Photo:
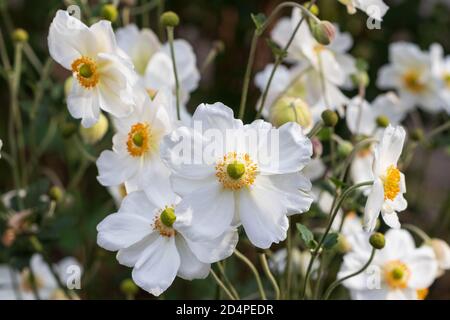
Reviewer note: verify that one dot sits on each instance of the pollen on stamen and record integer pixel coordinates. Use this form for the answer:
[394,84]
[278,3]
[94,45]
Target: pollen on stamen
[236,180]
[397,274]
[86,72]
[391,183]
[139,139]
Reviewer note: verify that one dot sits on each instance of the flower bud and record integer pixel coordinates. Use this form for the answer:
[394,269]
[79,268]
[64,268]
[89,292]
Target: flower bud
[345,148]
[360,79]
[382,121]
[323,31]
[330,118]
[109,12]
[95,133]
[170,19]
[377,240]
[417,135]
[56,193]
[20,35]
[343,245]
[314,9]
[129,288]
[290,109]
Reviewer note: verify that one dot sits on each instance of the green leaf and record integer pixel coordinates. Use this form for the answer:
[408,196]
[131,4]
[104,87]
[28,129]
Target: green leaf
[276,50]
[330,240]
[259,20]
[307,236]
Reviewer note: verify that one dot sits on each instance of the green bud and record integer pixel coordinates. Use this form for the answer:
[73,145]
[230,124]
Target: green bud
[314,8]
[330,118]
[360,79]
[382,121]
[236,170]
[170,19]
[129,288]
[95,133]
[377,240]
[168,217]
[323,31]
[345,148]
[56,193]
[417,135]
[20,35]
[343,245]
[109,12]
[290,109]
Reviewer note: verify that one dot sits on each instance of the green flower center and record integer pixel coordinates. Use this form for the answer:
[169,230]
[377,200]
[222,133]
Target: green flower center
[236,170]
[168,217]
[86,71]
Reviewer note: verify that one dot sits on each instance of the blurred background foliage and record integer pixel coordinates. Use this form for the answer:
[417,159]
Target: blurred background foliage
[72,229]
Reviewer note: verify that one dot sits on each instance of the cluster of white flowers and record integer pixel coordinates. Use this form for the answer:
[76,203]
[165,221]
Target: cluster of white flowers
[183,201]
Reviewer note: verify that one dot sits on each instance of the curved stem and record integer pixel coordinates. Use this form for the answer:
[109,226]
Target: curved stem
[255,272]
[278,61]
[265,265]
[438,130]
[336,283]
[233,290]
[419,232]
[334,213]
[222,285]
[174,65]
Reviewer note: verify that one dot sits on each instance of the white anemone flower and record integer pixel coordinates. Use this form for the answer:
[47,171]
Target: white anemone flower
[410,73]
[135,157]
[239,174]
[361,116]
[152,237]
[399,271]
[376,9]
[441,70]
[333,60]
[386,193]
[104,78]
[17,285]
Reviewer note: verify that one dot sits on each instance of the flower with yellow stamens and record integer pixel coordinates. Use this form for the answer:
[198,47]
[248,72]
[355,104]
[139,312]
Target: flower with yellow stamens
[103,77]
[386,193]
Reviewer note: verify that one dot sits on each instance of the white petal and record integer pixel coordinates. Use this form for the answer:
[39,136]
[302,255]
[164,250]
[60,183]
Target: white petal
[84,104]
[121,230]
[423,266]
[373,205]
[130,255]
[263,216]
[138,203]
[399,244]
[390,148]
[114,169]
[391,219]
[216,116]
[190,267]
[158,266]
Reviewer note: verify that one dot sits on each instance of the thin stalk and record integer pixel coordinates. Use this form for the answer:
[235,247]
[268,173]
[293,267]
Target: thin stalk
[336,283]
[159,10]
[265,266]
[333,214]
[438,130]
[288,273]
[255,273]
[222,285]
[419,232]
[233,290]
[174,65]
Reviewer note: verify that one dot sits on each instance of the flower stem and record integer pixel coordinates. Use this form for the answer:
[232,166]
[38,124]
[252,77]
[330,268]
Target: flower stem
[336,283]
[170,37]
[257,33]
[419,232]
[233,290]
[222,285]
[255,272]
[333,214]
[438,130]
[265,265]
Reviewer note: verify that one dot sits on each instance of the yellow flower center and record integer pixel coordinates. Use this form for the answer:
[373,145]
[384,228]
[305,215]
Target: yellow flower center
[412,82]
[447,80]
[26,281]
[397,274]
[164,221]
[391,183]
[139,139]
[86,72]
[235,171]
[422,293]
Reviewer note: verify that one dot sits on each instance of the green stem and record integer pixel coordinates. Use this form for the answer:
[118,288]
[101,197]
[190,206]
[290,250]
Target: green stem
[247,76]
[336,283]
[170,37]
[233,290]
[419,232]
[438,130]
[222,285]
[265,266]
[288,273]
[279,58]
[333,214]
[316,129]
[255,273]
